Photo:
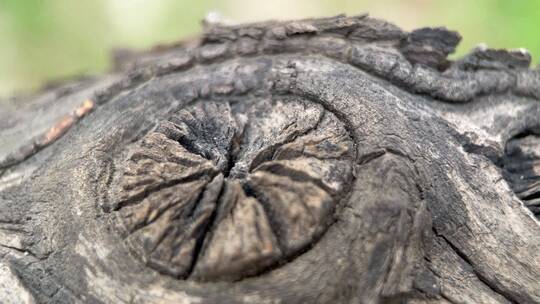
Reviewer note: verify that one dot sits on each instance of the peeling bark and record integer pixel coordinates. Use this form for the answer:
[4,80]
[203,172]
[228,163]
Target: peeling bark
[336,160]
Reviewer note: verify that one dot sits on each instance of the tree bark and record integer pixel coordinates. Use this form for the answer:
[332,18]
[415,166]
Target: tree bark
[337,160]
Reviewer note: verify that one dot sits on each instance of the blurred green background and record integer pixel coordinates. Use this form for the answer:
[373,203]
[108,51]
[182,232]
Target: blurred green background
[49,39]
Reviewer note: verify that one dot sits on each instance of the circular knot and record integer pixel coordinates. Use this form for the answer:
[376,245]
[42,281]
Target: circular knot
[221,191]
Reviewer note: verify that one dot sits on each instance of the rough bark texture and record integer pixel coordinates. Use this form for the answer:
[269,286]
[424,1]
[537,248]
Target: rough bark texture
[337,160]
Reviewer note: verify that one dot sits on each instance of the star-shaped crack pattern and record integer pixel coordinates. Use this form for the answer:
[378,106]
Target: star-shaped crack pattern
[223,191]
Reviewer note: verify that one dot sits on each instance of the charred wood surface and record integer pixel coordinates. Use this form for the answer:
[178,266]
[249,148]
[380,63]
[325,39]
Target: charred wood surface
[336,160]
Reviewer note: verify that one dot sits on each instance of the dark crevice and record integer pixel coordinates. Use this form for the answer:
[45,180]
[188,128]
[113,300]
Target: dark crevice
[268,154]
[189,214]
[197,200]
[20,250]
[210,227]
[11,221]
[250,192]
[191,147]
[534,131]
[532,196]
[26,252]
[366,158]
[347,124]
[157,243]
[106,173]
[232,152]
[519,167]
[170,183]
[478,275]
[198,250]
[472,148]
[287,256]
[296,175]
[265,155]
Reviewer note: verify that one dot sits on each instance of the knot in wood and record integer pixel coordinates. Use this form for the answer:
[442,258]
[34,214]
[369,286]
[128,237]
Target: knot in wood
[222,191]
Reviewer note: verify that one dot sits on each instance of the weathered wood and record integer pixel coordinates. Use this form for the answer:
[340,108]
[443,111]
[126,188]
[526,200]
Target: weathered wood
[337,160]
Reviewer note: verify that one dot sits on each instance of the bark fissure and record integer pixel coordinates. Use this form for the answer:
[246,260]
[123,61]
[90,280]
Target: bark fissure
[480,277]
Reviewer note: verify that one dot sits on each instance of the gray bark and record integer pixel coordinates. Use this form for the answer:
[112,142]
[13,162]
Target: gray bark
[337,160]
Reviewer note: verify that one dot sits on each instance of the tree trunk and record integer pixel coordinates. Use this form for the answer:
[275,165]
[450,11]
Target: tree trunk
[337,160]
